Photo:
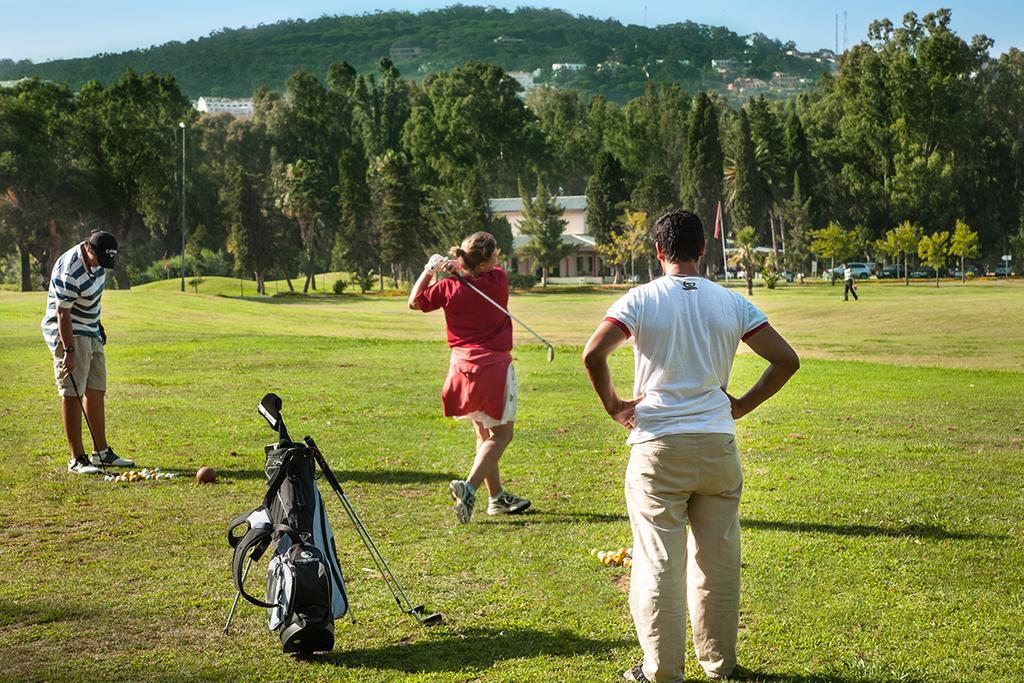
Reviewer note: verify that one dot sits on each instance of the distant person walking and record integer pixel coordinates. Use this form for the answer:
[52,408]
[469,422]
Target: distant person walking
[72,330]
[849,285]
[481,382]
[684,466]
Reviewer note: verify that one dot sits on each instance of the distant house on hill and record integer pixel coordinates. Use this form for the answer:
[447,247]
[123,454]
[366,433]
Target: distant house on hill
[407,52]
[241,108]
[568,66]
[525,79]
[581,266]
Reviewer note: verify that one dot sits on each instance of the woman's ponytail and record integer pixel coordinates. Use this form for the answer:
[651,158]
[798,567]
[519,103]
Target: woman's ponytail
[476,249]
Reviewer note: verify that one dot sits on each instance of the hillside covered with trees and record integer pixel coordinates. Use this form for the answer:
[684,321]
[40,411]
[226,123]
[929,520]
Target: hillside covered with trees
[913,151]
[233,62]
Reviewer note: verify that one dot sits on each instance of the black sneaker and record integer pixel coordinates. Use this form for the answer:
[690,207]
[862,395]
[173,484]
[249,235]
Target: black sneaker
[635,674]
[80,465]
[107,458]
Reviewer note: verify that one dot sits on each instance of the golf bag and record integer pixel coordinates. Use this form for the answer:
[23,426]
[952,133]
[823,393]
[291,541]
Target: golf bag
[305,587]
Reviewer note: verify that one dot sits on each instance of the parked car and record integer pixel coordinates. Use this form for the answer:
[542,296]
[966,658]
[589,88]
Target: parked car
[891,272]
[922,271]
[972,271]
[787,275]
[1004,270]
[861,271]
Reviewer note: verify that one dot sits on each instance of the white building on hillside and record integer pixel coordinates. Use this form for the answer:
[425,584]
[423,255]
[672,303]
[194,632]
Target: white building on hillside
[568,66]
[525,79]
[219,105]
[582,266]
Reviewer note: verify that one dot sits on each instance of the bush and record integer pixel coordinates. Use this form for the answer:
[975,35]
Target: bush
[340,285]
[770,277]
[970,275]
[519,281]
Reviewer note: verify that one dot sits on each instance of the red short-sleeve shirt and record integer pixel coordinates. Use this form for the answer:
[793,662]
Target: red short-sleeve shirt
[471,320]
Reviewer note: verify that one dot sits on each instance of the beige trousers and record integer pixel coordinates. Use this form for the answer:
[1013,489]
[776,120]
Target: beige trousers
[672,481]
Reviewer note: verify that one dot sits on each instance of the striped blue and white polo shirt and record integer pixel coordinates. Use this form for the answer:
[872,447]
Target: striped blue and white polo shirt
[76,286]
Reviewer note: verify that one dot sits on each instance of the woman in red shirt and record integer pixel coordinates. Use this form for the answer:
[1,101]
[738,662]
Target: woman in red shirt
[481,383]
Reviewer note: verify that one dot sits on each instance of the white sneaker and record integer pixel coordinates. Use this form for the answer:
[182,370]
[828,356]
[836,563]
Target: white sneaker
[81,465]
[507,504]
[464,500]
[107,458]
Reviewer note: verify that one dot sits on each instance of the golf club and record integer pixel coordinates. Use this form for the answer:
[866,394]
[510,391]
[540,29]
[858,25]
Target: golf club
[74,385]
[418,612]
[545,342]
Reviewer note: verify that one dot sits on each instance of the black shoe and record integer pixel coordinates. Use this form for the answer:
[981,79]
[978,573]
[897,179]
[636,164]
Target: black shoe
[635,674]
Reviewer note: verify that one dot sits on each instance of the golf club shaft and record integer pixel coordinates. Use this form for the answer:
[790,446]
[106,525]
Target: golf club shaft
[234,605]
[78,395]
[504,310]
[404,604]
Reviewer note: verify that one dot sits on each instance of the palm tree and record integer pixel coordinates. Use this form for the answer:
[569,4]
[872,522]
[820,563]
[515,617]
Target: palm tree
[746,255]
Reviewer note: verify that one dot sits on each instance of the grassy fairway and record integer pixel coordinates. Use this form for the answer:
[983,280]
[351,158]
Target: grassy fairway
[881,507]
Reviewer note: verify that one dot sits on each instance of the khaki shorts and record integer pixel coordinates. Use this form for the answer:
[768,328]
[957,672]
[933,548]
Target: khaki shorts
[90,366]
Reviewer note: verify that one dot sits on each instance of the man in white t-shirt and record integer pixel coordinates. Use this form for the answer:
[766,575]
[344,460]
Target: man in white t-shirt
[849,286]
[684,465]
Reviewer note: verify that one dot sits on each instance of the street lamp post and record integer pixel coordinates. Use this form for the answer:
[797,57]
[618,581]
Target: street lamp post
[181,124]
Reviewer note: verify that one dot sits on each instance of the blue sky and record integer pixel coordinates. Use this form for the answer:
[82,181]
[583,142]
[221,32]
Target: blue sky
[50,29]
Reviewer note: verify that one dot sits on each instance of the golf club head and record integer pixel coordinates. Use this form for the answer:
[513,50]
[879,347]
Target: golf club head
[431,620]
[270,409]
[551,353]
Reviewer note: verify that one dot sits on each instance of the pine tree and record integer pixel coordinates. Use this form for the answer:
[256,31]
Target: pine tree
[744,198]
[396,213]
[543,224]
[701,177]
[356,247]
[606,189]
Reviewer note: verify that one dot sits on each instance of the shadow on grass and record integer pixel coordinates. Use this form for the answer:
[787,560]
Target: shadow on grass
[475,648]
[928,531]
[534,516]
[767,677]
[356,476]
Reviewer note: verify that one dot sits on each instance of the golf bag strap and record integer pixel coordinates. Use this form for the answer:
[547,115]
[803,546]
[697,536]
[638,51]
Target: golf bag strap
[256,541]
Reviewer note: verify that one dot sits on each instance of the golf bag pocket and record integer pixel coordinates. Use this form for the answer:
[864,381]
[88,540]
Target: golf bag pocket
[299,592]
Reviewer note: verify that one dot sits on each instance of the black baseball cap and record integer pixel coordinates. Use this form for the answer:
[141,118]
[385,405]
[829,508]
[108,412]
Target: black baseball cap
[104,245]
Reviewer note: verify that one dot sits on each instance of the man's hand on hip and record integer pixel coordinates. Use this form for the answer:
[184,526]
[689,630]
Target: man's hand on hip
[624,412]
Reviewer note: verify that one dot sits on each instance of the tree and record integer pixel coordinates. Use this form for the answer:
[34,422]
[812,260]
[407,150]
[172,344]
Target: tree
[903,239]
[396,213]
[746,255]
[42,188]
[302,195]
[626,245]
[797,212]
[700,187]
[471,120]
[934,251]
[126,137]
[743,186]
[357,247]
[571,145]
[606,190]
[543,224]
[964,243]
[835,243]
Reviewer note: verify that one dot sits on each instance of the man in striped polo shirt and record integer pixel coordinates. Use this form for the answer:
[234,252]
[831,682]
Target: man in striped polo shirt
[73,332]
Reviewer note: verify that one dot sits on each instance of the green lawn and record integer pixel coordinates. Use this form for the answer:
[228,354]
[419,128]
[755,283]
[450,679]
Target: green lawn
[881,512]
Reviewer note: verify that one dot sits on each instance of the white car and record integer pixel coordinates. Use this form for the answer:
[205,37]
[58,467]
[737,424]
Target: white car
[861,271]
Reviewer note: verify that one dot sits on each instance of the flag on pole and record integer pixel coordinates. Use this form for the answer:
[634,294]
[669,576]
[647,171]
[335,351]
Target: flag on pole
[718,221]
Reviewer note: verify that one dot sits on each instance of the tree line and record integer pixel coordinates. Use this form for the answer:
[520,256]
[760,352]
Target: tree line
[370,172]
